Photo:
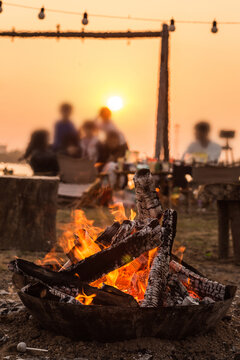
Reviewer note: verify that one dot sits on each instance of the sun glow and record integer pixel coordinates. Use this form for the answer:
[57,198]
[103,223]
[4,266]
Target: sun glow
[115,103]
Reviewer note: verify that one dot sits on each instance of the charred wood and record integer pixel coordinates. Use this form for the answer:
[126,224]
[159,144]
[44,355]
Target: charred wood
[108,234]
[124,230]
[156,289]
[95,266]
[201,285]
[148,203]
[107,295]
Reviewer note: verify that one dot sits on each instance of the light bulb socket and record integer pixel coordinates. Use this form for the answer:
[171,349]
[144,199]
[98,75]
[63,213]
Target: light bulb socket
[85,19]
[214,29]
[172,25]
[41,14]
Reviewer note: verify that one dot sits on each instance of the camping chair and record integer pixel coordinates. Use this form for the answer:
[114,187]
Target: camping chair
[76,171]
[76,177]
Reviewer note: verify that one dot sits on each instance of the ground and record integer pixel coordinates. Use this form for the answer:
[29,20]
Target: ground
[198,233]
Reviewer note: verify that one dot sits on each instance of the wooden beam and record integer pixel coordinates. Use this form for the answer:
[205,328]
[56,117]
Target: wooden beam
[82,34]
[162,141]
[223,229]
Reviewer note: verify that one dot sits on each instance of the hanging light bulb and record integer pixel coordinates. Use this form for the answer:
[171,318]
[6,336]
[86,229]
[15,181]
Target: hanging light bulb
[41,14]
[214,28]
[1,8]
[172,26]
[85,19]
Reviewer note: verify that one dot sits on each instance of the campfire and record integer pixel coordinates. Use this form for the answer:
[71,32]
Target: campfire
[123,282]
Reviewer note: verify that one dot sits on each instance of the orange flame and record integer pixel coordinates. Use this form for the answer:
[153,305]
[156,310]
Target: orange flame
[192,293]
[179,253]
[51,258]
[118,211]
[80,239]
[85,299]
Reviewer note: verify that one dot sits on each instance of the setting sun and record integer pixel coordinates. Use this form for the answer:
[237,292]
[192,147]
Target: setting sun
[115,103]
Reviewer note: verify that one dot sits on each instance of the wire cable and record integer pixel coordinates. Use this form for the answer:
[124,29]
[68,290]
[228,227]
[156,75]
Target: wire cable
[67,12]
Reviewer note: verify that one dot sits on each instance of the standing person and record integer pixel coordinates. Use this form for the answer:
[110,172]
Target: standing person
[39,154]
[64,128]
[90,144]
[106,124]
[203,149]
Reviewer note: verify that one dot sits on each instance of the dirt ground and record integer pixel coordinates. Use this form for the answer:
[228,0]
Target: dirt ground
[198,233]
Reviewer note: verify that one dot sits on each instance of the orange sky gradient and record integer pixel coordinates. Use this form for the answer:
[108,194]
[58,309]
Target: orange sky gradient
[38,74]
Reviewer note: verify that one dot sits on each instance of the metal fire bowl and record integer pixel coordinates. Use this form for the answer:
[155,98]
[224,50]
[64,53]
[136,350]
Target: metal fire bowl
[112,323]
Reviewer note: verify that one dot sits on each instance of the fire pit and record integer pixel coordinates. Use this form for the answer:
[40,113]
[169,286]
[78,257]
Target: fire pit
[76,301]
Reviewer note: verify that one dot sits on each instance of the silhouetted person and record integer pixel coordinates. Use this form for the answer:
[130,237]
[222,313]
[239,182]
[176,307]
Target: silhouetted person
[111,151]
[71,145]
[90,144]
[64,127]
[203,149]
[106,124]
[39,154]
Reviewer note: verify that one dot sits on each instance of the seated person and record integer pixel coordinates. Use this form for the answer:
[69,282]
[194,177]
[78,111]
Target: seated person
[39,154]
[106,124]
[203,149]
[111,151]
[90,144]
[63,127]
[71,145]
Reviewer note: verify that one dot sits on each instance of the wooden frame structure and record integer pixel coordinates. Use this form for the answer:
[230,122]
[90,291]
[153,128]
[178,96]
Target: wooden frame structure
[162,121]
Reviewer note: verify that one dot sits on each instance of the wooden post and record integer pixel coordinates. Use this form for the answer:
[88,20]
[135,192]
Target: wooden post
[162,140]
[223,229]
[234,214]
[28,207]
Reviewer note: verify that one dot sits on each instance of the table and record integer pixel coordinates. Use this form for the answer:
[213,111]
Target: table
[228,207]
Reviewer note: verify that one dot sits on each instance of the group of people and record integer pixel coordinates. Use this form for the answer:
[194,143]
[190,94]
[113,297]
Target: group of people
[78,143]
[101,142]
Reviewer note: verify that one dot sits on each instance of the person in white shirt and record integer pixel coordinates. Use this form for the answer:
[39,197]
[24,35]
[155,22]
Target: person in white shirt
[203,149]
[90,144]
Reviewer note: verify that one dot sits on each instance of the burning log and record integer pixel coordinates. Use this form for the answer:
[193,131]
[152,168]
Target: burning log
[124,230]
[120,254]
[95,266]
[148,203]
[201,285]
[157,281]
[107,295]
[108,234]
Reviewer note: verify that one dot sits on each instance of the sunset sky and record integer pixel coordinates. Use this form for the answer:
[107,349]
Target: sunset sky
[37,74]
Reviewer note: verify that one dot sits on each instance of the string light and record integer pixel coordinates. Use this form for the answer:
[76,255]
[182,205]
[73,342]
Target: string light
[1,8]
[214,28]
[85,19]
[66,12]
[41,14]
[172,26]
